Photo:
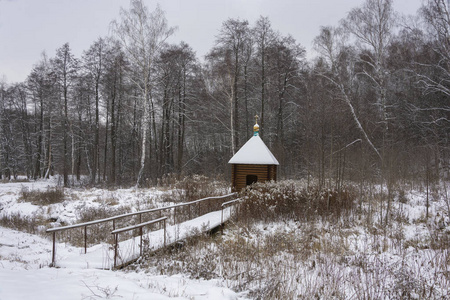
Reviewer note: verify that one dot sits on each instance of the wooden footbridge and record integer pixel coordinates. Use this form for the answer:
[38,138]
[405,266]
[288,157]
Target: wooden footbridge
[130,235]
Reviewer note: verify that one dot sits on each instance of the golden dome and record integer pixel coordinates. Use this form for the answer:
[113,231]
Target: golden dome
[256,126]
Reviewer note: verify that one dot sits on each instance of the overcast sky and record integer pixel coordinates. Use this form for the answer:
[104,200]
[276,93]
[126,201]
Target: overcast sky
[29,27]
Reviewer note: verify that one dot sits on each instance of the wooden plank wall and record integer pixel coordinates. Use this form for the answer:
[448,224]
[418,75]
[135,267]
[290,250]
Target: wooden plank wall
[239,174]
[272,172]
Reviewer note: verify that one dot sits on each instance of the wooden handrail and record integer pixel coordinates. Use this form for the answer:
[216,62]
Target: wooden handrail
[113,219]
[231,202]
[223,206]
[134,214]
[128,228]
[137,225]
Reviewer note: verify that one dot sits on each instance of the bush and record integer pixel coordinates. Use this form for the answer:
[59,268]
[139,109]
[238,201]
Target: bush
[198,186]
[293,242]
[191,188]
[51,196]
[19,222]
[273,201]
[402,197]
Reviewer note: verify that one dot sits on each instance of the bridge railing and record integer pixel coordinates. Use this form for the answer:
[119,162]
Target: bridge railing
[234,203]
[169,209]
[133,227]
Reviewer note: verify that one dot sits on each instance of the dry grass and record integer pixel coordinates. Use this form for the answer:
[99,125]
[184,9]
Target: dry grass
[50,196]
[192,188]
[296,243]
[284,200]
[293,242]
[20,222]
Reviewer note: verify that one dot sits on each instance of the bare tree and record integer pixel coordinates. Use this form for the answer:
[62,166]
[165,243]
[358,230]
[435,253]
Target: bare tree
[115,64]
[142,34]
[41,87]
[330,44]
[93,61]
[372,25]
[232,40]
[286,58]
[431,68]
[436,14]
[264,36]
[65,68]
[174,68]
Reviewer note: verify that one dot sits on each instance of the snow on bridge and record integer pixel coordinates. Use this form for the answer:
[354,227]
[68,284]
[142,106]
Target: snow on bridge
[107,256]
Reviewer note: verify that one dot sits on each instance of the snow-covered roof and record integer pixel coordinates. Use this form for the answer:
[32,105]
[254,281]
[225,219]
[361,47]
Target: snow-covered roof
[254,152]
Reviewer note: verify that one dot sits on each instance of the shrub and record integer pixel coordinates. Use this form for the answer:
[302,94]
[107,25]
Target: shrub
[19,222]
[309,243]
[97,233]
[195,187]
[273,201]
[51,196]
[191,188]
[402,197]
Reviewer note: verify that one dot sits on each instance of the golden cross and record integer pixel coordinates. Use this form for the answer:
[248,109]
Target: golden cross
[256,119]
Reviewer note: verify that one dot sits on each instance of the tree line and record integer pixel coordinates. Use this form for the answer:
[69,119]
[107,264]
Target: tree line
[373,104]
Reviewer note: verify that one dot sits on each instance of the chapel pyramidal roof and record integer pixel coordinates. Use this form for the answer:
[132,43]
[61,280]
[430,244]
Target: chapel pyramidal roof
[254,152]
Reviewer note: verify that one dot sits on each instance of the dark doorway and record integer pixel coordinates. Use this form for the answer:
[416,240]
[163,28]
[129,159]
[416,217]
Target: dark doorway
[251,179]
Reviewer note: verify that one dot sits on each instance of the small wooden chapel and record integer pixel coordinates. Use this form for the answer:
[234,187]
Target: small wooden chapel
[252,163]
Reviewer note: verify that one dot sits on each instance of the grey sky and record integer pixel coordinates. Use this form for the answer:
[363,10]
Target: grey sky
[29,27]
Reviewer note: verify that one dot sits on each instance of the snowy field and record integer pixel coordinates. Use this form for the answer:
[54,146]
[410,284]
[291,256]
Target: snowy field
[298,250]
[348,257]
[24,257]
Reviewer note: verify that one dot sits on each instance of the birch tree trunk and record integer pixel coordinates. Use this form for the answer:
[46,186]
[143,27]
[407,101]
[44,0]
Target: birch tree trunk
[142,35]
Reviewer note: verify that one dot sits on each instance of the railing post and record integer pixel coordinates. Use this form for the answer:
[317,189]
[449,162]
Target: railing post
[165,233]
[54,249]
[85,239]
[221,221]
[140,232]
[115,249]
[175,215]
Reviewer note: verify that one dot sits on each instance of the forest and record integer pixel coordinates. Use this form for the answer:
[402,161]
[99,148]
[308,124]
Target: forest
[371,106]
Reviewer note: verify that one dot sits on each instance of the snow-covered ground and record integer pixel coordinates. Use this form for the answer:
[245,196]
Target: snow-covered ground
[25,258]
[350,258]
